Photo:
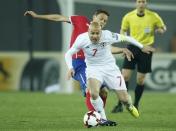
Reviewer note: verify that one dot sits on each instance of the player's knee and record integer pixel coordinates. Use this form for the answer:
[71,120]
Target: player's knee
[126,77]
[94,95]
[123,99]
[140,80]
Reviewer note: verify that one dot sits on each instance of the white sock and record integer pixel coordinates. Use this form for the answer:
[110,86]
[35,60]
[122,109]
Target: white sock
[98,106]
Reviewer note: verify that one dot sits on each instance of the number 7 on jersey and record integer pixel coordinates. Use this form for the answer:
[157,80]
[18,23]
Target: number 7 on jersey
[95,51]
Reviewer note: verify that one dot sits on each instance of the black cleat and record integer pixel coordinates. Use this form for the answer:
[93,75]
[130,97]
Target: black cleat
[107,123]
[117,108]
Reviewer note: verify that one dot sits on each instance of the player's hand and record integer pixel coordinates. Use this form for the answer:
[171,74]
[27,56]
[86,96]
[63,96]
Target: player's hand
[31,13]
[159,31]
[128,54]
[148,49]
[70,74]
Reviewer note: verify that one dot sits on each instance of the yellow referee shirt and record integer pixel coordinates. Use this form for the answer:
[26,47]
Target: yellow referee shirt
[142,28]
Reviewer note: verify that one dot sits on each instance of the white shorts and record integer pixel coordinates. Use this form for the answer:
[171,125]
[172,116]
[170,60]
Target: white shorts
[110,76]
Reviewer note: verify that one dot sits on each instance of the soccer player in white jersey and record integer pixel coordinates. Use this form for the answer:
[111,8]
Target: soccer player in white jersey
[80,25]
[101,66]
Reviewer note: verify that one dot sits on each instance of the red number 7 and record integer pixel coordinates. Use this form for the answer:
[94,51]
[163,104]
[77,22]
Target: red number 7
[95,51]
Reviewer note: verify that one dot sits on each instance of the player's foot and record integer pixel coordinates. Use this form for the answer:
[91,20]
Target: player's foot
[104,122]
[137,106]
[133,111]
[117,108]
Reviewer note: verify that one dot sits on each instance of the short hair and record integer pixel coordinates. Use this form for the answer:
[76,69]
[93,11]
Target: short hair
[94,24]
[99,11]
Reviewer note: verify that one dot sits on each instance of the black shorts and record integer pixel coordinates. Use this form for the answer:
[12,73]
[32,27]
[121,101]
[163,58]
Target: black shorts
[141,60]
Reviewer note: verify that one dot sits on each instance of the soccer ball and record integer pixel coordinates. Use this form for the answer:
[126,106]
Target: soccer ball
[91,119]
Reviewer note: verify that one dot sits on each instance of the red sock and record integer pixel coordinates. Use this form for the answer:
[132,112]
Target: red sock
[88,103]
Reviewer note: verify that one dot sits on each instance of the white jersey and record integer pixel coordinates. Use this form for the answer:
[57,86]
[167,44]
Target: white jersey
[98,54]
[99,60]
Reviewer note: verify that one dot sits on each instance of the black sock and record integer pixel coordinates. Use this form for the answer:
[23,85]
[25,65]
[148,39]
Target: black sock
[126,82]
[120,103]
[138,94]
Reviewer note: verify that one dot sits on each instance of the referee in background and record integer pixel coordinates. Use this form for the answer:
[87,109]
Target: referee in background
[142,24]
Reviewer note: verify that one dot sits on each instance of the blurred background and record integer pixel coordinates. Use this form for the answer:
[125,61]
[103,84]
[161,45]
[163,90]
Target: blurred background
[32,50]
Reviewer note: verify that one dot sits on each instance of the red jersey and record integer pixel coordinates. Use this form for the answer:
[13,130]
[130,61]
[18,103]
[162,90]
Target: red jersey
[80,25]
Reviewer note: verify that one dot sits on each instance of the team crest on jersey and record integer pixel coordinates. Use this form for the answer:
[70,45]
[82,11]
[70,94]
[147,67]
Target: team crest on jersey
[147,30]
[102,45]
[114,35]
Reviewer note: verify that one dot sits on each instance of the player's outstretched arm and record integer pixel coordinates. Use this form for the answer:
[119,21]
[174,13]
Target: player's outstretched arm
[52,17]
[68,60]
[127,53]
[116,50]
[145,49]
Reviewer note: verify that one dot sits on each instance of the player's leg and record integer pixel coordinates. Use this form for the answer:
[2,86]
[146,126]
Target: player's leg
[79,66]
[94,82]
[88,102]
[127,75]
[127,69]
[80,75]
[115,81]
[143,67]
[103,94]
[124,98]
[139,88]
[94,88]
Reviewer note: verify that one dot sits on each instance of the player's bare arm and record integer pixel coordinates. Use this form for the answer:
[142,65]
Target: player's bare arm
[126,53]
[52,17]
[145,49]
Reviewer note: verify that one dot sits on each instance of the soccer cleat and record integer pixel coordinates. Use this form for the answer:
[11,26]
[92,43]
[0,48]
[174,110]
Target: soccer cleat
[137,107]
[133,111]
[104,122]
[117,108]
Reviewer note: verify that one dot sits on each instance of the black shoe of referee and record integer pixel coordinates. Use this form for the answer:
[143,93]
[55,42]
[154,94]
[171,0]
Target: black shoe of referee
[118,108]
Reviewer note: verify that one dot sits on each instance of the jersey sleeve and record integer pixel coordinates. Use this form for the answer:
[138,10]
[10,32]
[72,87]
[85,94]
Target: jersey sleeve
[112,37]
[74,49]
[78,20]
[159,22]
[125,23]
[115,38]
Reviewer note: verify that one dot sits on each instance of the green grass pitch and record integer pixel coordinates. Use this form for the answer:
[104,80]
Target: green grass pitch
[23,111]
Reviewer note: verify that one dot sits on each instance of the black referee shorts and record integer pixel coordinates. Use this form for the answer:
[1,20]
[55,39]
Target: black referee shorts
[141,60]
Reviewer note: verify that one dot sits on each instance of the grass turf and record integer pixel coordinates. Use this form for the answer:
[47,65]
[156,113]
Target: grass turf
[63,112]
